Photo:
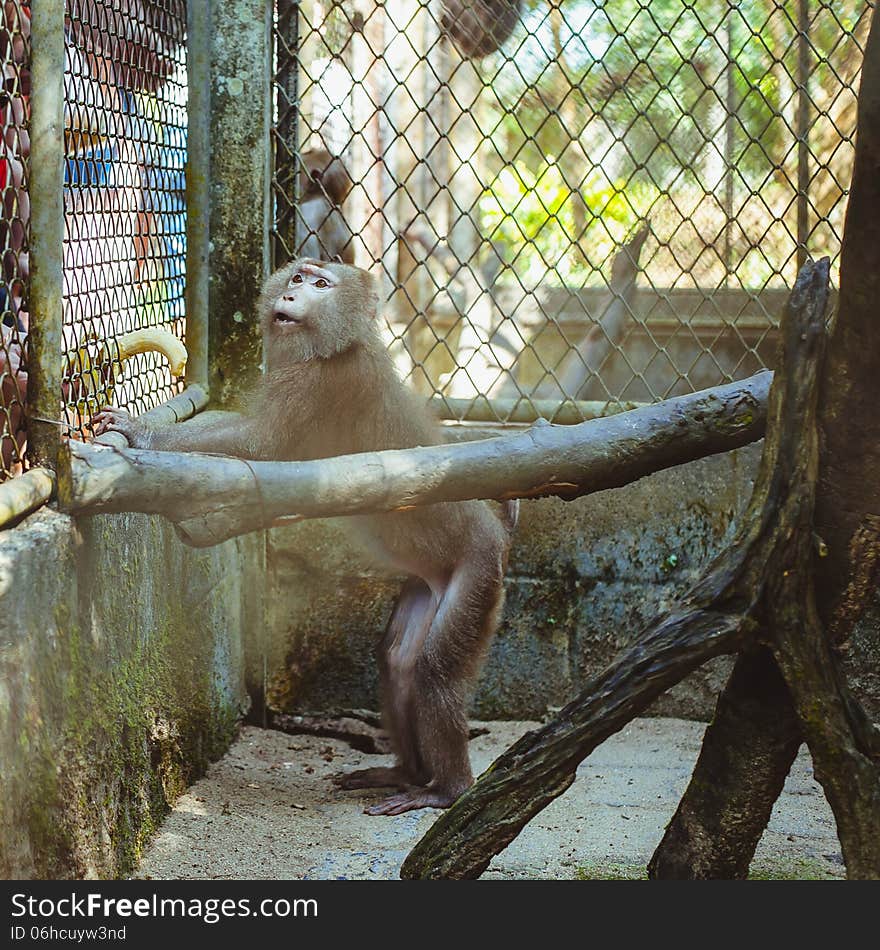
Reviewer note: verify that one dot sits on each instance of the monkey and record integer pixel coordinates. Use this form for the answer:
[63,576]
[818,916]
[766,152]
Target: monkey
[329,389]
[324,184]
[479,27]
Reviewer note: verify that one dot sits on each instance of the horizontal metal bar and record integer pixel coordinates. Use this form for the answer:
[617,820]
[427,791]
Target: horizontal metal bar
[182,406]
[562,412]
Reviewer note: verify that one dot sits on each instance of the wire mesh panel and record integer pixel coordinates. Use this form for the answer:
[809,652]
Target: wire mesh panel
[582,200]
[15,50]
[125,212]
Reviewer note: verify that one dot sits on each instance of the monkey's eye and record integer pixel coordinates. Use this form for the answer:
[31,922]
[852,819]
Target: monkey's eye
[296,279]
[320,282]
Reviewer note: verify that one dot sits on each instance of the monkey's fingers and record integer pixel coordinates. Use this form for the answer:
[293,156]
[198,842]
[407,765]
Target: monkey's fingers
[109,420]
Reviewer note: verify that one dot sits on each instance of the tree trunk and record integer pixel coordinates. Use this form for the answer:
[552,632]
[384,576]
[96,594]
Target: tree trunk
[746,755]
[585,359]
[848,496]
[721,613]
[846,518]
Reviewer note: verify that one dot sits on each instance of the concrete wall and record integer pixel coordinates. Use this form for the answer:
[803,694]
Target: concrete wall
[127,659]
[122,674]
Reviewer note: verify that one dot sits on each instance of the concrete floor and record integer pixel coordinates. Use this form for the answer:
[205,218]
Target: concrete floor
[267,810]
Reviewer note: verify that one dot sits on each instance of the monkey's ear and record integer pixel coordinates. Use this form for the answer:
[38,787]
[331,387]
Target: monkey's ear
[372,297]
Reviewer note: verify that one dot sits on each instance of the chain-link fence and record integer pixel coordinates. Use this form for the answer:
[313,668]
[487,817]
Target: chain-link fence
[15,50]
[582,200]
[124,206]
[125,196]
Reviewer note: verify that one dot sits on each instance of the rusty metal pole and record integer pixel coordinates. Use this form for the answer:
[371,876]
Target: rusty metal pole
[198,188]
[46,189]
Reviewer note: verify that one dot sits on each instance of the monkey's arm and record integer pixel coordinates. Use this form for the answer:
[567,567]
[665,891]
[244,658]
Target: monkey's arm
[226,433]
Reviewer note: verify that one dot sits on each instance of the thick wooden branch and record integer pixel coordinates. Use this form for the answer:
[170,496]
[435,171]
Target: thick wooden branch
[718,615]
[746,752]
[848,495]
[25,493]
[212,498]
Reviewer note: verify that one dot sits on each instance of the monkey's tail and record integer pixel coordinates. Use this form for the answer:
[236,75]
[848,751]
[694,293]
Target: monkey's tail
[510,514]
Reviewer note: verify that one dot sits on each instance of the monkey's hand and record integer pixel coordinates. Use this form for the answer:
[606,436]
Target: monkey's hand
[139,435]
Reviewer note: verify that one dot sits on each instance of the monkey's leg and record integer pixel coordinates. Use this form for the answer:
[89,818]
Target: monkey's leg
[451,653]
[406,631]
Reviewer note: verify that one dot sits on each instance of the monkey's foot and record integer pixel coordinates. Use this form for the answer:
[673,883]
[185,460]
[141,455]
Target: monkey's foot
[382,777]
[410,800]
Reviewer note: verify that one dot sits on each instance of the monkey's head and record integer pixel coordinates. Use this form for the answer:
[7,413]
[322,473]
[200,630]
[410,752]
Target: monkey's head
[322,174]
[316,310]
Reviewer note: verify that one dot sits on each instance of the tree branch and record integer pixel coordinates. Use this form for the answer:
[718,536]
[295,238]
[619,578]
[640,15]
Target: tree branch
[584,360]
[212,498]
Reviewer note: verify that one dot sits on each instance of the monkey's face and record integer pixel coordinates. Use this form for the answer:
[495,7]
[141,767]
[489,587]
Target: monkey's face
[316,310]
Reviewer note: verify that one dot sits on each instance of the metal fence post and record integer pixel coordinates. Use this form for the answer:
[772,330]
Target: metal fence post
[198,193]
[286,138]
[239,186]
[803,133]
[46,189]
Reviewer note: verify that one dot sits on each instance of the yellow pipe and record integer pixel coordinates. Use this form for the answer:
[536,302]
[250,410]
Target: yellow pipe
[96,367]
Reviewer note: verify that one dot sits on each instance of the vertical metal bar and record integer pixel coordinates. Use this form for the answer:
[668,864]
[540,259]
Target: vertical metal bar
[803,133]
[198,193]
[46,190]
[286,180]
[729,133]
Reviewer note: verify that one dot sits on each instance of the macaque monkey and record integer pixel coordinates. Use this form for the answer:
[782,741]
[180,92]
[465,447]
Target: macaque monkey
[479,27]
[324,184]
[331,389]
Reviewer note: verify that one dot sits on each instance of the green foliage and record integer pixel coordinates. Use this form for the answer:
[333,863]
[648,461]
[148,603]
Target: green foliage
[534,212]
[634,100]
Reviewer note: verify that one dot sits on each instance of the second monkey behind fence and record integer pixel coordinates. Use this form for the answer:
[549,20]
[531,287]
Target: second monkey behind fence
[331,389]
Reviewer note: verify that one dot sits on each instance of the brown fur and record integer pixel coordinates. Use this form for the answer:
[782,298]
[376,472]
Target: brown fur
[324,184]
[479,27]
[331,389]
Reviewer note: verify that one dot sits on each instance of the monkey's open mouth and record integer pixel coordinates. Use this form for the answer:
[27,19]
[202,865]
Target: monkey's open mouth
[281,317]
